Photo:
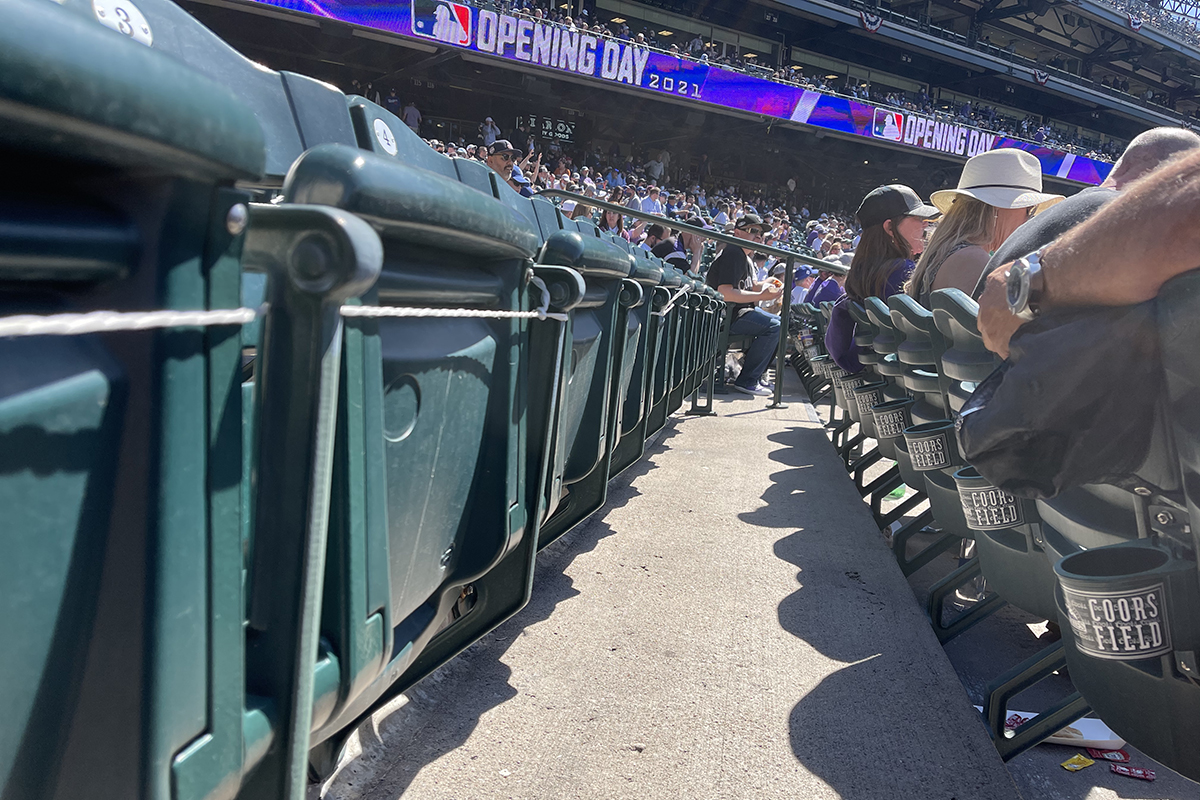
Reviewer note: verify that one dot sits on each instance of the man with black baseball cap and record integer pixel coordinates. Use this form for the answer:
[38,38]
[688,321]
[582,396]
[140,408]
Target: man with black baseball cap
[732,274]
[501,157]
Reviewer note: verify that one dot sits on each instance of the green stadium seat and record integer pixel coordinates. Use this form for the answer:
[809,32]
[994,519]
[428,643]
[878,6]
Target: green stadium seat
[583,447]
[434,529]
[129,655]
[641,334]
[1116,544]
[665,356]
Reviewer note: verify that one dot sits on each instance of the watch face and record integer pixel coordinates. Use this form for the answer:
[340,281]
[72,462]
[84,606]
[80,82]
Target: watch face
[1018,287]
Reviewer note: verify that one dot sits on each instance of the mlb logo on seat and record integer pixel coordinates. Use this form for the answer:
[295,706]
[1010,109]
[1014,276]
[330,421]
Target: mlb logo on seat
[888,125]
[446,22]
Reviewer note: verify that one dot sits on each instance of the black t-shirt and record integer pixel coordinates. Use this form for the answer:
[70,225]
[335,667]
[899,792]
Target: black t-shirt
[1046,227]
[732,267]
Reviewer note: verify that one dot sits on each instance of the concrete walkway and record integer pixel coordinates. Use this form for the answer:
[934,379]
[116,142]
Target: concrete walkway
[731,625]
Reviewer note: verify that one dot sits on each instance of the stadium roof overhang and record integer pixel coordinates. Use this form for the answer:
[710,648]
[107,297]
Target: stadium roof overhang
[960,54]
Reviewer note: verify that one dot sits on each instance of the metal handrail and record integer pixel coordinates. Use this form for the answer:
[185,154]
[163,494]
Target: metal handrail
[789,273]
[707,233]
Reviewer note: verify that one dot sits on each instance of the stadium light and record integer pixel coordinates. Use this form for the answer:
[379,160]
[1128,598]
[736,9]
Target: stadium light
[666,33]
[617,20]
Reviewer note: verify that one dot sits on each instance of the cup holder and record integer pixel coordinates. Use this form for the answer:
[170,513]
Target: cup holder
[867,397]
[985,507]
[1129,602]
[931,445]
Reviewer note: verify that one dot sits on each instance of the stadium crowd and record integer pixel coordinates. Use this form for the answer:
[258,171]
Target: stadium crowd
[654,182]
[697,48]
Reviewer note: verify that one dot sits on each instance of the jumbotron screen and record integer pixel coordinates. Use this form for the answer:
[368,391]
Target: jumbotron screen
[554,47]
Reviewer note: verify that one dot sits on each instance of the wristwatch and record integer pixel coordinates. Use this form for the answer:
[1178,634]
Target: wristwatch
[1025,285]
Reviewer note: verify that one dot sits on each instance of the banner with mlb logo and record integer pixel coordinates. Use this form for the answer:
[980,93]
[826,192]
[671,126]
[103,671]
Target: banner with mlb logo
[560,49]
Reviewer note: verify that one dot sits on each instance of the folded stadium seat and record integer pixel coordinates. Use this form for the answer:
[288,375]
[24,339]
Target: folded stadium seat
[712,311]
[699,305]
[839,378]
[379,606]
[684,354]
[816,379]
[861,398]
[641,339]
[806,350]
[881,388]
[1128,597]
[891,419]
[1008,536]
[1007,541]
[583,447]
[928,452]
[434,530]
[665,360]
[126,639]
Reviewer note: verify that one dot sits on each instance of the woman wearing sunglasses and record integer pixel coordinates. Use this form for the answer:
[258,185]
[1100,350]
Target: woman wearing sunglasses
[998,191]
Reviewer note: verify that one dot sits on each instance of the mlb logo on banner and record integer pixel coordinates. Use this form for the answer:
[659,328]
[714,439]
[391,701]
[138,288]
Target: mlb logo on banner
[446,22]
[888,125]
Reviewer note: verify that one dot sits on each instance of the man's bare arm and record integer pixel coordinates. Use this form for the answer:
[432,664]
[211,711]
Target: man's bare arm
[1121,256]
[733,295]
[1131,247]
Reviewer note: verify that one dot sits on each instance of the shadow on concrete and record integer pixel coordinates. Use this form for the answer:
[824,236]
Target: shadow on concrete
[852,728]
[842,728]
[445,708]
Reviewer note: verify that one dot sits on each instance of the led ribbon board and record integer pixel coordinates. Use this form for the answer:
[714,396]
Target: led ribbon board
[621,62]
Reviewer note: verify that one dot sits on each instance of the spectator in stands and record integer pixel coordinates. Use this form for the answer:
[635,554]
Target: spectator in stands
[1146,152]
[392,102]
[687,245]
[651,203]
[732,274]
[654,169]
[893,221]
[502,157]
[412,117]
[722,216]
[998,191]
[524,187]
[490,131]
[654,234]
[614,222]
[827,288]
[805,277]
[1141,236]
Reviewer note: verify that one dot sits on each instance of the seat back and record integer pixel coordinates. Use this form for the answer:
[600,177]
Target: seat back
[964,360]
[434,501]
[125,626]
[584,446]
[918,353]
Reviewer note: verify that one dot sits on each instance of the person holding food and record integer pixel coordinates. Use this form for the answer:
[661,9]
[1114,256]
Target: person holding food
[732,274]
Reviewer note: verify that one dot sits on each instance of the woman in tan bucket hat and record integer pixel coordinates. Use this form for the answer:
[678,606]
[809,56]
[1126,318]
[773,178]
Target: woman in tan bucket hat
[997,192]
